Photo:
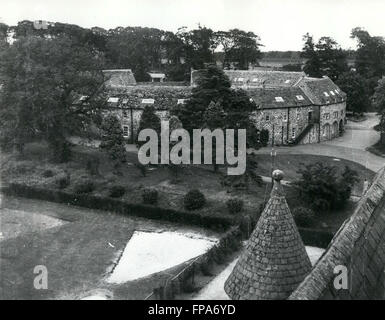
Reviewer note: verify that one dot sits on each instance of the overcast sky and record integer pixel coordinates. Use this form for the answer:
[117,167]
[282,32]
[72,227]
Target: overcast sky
[279,23]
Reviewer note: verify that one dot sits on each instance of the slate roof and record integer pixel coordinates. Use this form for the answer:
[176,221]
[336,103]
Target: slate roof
[274,261]
[260,78]
[164,97]
[119,78]
[322,91]
[269,98]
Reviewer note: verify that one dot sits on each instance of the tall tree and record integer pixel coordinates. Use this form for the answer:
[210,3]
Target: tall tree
[42,78]
[324,58]
[379,102]
[149,120]
[356,88]
[370,56]
[112,141]
[240,48]
[199,46]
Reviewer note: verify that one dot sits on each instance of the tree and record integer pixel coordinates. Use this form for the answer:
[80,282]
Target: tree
[112,141]
[199,46]
[240,47]
[43,79]
[214,117]
[357,91]
[370,55]
[212,85]
[174,124]
[149,120]
[323,188]
[379,103]
[324,58]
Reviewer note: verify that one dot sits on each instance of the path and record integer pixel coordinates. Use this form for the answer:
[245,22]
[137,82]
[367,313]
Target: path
[351,146]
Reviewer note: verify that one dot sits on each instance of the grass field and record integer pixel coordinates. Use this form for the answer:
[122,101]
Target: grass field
[78,254]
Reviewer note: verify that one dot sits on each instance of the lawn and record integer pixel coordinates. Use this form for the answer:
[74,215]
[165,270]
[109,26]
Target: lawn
[32,167]
[78,254]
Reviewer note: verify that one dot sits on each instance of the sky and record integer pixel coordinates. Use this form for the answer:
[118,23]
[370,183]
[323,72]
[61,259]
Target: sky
[279,23]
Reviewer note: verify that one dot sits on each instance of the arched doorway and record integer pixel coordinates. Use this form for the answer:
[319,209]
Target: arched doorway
[335,129]
[326,131]
[341,127]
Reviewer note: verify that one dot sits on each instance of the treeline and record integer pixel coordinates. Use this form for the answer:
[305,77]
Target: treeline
[326,58]
[148,49]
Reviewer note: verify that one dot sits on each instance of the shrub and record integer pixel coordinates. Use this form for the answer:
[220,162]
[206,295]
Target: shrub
[234,205]
[304,217]
[63,182]
[194,199]
[86,186]
[48,173]
[117,191]
[322,187]
[150,196]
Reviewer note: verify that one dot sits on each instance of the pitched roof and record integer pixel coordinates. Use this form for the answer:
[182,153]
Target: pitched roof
[322,90]
[119,78]
[161,97]
[278,97]
[263,78]
[274,261]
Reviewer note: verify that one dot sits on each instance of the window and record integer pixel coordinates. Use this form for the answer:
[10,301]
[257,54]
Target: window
[82,98]
[113,100]
[255,80]
[300,97]
[181,101]
[267,117]
[335,113]
[293,133]
[240,79]
[326,94]
[279,99]
[125,115]
[148,101]
[125,131]
[298,115]
[327,116]
[342,112]
[284,117]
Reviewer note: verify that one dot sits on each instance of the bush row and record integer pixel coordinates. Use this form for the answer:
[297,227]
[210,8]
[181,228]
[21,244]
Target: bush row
[214,222]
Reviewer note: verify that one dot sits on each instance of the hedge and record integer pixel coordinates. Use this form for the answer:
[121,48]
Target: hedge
[119,206]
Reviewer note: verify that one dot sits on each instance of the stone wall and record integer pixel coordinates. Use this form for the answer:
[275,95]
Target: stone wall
[286,124]
[332,116]
[359,245]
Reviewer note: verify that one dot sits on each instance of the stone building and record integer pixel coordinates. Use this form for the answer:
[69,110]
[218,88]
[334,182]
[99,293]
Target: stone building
[293,108]
[274,261]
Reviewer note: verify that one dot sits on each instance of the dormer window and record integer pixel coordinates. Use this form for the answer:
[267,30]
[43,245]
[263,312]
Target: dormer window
[125,101]
[82,98]
[181,101]
[287,81]
[240,79]
[148,101]
[300,97]
[326,94]
[255,80]
[113,100]
[332,93]
[279,99]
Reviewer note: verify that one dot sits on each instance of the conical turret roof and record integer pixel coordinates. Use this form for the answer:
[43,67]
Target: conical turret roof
[274,261]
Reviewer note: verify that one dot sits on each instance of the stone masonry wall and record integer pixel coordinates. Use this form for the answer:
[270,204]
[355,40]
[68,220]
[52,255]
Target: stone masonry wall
[330,120]
[359,245]
[283,129]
